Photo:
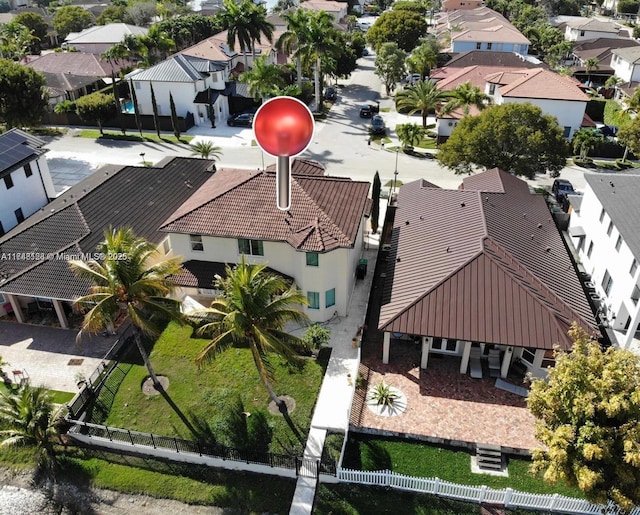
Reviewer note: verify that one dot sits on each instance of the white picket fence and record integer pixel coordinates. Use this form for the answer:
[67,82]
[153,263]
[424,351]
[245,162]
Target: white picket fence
[481,494]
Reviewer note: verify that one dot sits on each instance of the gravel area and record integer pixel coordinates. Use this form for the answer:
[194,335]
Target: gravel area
[18,496]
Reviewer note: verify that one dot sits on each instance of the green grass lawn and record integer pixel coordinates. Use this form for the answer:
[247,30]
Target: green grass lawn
[57,396]
[133,136]
[208,392]
[424,460]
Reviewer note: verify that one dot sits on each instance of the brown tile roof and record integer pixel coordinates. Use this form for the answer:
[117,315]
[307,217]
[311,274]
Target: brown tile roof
[75,221]
[494,34]
[75,63]
[483,263]
[325,214]
[490,58]
[542,84]
[216,48]
[448,79]
[303,167]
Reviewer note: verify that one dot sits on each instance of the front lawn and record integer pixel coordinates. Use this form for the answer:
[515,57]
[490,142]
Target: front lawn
[56,396]
[133,136]
[425,460]
[210,393]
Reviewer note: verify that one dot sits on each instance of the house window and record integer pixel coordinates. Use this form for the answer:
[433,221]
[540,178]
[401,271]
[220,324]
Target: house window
[444,345]
[166,246]
[137,83]
[610,228]
[529,355]
[330,297]
[313,298]
[196,242]
[312,259]
[635,295]
[607,282]
[582,33]
[549,360]
[590,249]
[250,247]
[8,182]
[618,242]
[634,267]
[478,46]
[27,170]
[567,132]
[627,324]
[492,89]
[19,215]
[601,215]
[489,46]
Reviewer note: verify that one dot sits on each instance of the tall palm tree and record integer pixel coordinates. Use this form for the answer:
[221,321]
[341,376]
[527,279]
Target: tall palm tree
[264,80]
[421,97]
[253,311]
[590,65]
[464,96]
[237,19]
[206,150]
[260,26]
[292,42]
[585,140]
[128,284]
[319,41]
[29,417]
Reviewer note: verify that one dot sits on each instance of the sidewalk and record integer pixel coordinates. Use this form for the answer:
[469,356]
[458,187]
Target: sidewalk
[333,407]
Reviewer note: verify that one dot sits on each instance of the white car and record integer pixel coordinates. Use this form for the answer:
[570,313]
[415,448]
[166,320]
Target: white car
[412,78]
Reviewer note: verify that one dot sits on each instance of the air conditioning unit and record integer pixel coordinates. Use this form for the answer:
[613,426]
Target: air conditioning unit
[386,247]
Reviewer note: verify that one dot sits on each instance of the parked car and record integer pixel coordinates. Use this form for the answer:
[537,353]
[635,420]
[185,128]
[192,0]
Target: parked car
[368,110]
[241,120]
[561,188]
[365,52]
[377,125]
[412,78]
[330,93]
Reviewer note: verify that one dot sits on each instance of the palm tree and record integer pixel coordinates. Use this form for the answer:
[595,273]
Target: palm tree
[613,81]
[410,134]
[319,41]
[260,26]
[130,284]
[28,417]
[292,42]
[589,65]
[264,80]
[206,150]
[423,58]
[421,97]
[585,140]
[464,96]
[236,18]
[253,311]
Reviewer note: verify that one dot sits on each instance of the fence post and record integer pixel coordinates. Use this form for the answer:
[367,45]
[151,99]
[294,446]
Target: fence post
[175,442]
[108,433]
[554,499]
[436,486]
[130,437]
[152,440]
[507,497]
[483,492]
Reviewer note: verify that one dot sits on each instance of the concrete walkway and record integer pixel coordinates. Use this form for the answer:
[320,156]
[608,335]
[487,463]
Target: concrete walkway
[333,407]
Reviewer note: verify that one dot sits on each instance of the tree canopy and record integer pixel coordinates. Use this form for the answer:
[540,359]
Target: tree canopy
[403,27]
[71,18]
[518,138]
[629,135]
[96,107]
[36,24]
[390,65]
[588,415]
[23,99]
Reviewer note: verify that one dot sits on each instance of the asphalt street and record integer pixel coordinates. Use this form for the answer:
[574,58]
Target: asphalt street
[340,143]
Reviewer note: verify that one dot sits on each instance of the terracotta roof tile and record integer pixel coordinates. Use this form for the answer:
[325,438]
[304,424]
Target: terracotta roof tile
[543,84]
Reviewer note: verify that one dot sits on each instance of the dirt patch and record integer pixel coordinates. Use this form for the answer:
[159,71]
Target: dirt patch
[288,401]
[149,389]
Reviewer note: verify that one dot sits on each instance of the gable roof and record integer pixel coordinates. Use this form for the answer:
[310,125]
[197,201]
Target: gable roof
[74,223]
[177,68]
[538,83]
[325,214]
[17,148]
[619,195]
[74,63]
[476,75]
[630,54]
[491,253]
[110,33]
[594,25]
[216,48]
[491,58]
[494,34]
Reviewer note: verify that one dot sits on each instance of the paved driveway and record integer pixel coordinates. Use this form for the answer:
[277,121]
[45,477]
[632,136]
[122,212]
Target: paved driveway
[50,355]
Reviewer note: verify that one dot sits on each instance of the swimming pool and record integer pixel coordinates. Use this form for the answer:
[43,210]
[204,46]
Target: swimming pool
[127,107]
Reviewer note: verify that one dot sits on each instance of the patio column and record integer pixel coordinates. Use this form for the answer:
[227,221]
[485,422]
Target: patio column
[464,364]
[62,318]
[385,348]
[426,344]
[15,305]
[506,362]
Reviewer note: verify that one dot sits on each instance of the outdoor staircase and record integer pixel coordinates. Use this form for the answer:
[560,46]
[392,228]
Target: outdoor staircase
[489,457]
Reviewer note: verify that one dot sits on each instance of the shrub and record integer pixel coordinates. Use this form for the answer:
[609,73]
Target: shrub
[383,394]
[315,337]
[66,106]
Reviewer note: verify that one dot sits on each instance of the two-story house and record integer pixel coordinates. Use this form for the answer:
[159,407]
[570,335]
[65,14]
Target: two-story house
[626,63]
[604,229]
[590,28]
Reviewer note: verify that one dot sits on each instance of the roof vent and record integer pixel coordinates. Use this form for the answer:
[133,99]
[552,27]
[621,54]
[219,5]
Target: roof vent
[386,247]
[406,222]
[611,184]
[398,260]
[53,210]
[462,204]
[448,249]
[539,226]
[548,249]
[524,215]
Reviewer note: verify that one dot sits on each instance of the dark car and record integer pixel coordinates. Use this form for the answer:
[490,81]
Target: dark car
[561,188]
[241,120]
[377,125]
[368,110]
[330,93]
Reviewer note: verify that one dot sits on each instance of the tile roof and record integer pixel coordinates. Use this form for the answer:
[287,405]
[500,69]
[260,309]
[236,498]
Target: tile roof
[595,25]
[630,54]
[75,221]
[483,263]
[110,33]
[542,84]
[301,166]
[493,34]
[604,43]
[476,75]
[16,148]
[619,196]
[491,58]
[216,48]
[74,63]
[325,214]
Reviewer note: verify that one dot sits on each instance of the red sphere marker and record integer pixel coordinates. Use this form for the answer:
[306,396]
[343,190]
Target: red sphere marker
[283,127]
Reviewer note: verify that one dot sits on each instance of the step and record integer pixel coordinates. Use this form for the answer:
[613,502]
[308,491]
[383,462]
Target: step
[489,457]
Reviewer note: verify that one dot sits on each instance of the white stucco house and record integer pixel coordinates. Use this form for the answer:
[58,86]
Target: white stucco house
[626,63]
[317,243]
[605,233]
[590,28]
